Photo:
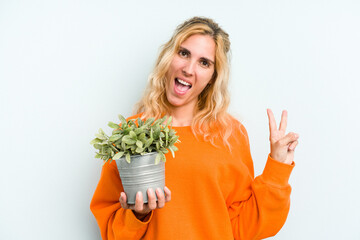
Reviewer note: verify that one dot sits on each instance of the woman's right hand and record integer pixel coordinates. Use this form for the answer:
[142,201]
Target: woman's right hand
[141,209]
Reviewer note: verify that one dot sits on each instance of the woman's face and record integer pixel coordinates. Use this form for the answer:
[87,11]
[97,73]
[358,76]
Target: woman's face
[190,71]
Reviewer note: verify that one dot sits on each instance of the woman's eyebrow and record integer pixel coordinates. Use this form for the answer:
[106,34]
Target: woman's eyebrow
[187,50]
[184,49]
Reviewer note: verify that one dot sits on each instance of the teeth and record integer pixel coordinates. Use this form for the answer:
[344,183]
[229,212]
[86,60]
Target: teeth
[183,82]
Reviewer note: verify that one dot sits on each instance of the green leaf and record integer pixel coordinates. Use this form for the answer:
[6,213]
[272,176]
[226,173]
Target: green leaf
[159,121]
[128,140]
[123,144]
[128,159]
[100,136]
[164,150]
[125,127]
[97,146]
[139,144]
[117,131]
[149,121]
[95,140]
[131,123]
[101,132]
[139,150]
[168,121]
[149,142]
[118,155]
[173,140]
[166,138]
[172,151]
[133,135]
[156,132]
[113,125]
[172,132]
[122,119]
[115,137]
[158,158]
[140,122]
[141,136]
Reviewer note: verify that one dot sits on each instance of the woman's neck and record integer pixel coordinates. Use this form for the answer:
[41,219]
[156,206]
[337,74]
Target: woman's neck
[182,117]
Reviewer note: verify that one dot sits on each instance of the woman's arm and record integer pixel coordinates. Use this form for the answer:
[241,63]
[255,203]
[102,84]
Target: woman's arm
[264,213]
[266,208]
[114,221]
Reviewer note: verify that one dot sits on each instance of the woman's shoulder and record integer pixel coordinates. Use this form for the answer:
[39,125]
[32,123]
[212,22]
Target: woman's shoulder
[239,131]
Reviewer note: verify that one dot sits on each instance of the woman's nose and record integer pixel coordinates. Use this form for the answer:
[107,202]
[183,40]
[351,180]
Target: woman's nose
[189,69]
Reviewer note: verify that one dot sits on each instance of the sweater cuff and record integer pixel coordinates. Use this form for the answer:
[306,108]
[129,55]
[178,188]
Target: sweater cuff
[277,173]
[133,222]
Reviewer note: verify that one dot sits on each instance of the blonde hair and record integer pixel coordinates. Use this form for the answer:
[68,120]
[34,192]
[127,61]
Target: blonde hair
[211,119]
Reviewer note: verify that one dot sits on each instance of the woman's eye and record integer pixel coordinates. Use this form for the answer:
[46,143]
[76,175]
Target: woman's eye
[205,63]
[183,53]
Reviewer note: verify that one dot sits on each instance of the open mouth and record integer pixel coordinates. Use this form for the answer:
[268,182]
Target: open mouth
[182,86]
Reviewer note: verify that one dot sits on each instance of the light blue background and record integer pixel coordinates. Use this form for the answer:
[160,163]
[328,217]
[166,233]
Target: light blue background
[69,67]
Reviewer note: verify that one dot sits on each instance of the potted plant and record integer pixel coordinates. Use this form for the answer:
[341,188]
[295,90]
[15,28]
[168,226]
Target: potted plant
[139,149]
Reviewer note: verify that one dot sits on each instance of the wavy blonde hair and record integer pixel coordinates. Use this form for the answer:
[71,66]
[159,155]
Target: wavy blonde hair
[211,119]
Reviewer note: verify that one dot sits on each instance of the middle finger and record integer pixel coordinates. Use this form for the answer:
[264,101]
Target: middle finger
[151,199]
[283,122]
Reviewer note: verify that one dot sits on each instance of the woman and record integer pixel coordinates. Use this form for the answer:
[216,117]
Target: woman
[213,191]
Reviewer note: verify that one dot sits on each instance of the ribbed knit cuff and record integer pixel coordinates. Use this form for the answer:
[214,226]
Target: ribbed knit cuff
[133,222]
[277,173]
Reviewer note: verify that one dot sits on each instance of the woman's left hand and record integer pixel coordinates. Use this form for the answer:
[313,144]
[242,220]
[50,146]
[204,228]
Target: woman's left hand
[282,146]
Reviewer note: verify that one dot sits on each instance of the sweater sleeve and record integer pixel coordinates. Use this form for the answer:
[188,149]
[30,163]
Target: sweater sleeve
[114,222]
[264,211]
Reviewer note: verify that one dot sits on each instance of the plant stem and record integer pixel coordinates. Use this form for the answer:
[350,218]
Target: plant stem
[117,150]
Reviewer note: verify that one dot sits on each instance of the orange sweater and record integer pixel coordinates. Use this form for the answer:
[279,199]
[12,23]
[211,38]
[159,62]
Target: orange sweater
[213,195]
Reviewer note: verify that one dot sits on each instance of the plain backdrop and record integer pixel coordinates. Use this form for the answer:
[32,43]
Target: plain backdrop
[69,67]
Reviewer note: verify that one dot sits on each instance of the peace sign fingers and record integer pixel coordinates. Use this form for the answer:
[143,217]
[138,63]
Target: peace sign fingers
[281,146]
[274,132]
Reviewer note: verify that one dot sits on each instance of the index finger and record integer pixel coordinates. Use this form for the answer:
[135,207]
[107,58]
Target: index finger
[123,201]
[272,122]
